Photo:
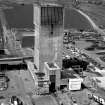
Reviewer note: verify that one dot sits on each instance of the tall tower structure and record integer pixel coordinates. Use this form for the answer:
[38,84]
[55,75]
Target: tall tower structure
[49,28]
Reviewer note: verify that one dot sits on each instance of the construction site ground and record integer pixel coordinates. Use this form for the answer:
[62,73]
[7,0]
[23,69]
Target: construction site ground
[21,84]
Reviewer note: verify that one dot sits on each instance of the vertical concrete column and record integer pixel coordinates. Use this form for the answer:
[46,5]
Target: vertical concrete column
[37,22]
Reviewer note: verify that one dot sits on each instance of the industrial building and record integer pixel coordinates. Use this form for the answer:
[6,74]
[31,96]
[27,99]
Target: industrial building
[48,34]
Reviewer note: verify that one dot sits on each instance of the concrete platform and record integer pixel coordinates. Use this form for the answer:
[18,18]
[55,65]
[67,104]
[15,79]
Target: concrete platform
[44,100]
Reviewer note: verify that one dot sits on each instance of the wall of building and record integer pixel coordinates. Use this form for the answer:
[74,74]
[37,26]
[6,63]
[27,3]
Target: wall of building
[50,46]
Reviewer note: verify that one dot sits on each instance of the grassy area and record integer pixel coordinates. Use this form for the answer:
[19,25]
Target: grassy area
[96,12]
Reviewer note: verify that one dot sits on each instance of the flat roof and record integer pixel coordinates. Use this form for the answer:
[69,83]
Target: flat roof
[67,74]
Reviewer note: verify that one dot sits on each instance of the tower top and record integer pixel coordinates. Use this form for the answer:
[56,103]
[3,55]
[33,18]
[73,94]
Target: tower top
[51,4]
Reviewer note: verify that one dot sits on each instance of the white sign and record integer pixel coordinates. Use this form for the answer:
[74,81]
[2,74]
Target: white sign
[75,84]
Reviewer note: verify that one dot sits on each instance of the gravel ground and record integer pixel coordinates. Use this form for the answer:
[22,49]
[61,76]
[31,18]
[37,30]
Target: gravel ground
[21,84]
[44,100]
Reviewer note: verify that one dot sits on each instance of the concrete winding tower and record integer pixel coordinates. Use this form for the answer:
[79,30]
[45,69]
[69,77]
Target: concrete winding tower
[49,28]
